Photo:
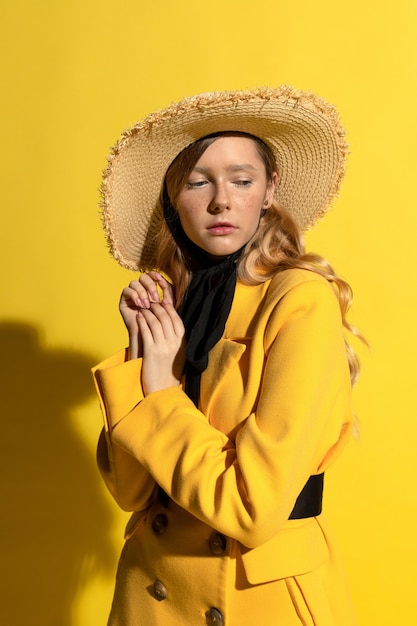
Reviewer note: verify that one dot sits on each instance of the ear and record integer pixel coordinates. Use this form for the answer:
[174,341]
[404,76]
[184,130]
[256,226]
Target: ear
[270,191]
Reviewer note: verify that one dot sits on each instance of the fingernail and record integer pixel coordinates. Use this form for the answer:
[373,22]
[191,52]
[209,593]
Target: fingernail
[146,303]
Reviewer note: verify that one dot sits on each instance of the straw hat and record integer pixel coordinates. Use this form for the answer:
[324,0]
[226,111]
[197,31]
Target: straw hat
[302,130]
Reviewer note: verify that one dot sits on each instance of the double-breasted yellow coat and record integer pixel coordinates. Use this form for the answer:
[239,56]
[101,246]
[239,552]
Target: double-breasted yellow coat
[275,408]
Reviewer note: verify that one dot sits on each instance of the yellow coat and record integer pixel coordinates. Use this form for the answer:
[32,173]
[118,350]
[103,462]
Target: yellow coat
[275,408]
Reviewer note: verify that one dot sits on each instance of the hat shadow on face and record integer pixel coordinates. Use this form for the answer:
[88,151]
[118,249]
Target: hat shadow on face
[55,518]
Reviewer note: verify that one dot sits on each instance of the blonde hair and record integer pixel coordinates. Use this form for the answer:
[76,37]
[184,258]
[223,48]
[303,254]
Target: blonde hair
[277,244]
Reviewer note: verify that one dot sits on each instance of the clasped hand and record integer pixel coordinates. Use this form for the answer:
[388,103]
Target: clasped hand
[155,330]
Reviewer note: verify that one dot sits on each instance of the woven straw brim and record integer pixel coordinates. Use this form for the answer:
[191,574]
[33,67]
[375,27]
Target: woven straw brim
[303,131]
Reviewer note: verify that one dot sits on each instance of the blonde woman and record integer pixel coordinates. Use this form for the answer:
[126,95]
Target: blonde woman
[234,394]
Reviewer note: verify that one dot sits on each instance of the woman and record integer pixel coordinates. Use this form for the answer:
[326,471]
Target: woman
[234,396]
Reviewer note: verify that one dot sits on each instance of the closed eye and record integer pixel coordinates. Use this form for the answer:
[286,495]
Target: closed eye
[243,182]
[194,184]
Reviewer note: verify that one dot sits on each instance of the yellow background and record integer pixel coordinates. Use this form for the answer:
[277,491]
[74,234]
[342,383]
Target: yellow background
[74,75]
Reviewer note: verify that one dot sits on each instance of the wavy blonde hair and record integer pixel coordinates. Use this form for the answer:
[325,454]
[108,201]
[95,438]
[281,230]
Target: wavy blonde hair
[277,244]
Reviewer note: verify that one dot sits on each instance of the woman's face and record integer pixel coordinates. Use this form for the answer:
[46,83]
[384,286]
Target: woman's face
[220,205]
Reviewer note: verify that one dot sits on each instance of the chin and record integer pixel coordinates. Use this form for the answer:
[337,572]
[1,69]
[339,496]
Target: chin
[222,253]
[223,249]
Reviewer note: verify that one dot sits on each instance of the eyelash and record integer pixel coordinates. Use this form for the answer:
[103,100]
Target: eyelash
[195,184]
[200,183]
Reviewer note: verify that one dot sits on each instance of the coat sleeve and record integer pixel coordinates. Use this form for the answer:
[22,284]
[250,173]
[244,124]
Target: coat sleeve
[128,481]
[247,488]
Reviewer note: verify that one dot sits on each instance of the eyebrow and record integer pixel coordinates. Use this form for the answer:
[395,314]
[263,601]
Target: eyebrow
[236,167]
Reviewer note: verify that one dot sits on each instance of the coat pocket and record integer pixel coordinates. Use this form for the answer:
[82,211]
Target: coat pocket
[298,548]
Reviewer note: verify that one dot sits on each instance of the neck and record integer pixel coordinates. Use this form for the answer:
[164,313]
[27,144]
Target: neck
[200,259]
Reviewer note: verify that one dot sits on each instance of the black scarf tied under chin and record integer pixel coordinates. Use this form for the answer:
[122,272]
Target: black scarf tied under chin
[204,313]
[207,302]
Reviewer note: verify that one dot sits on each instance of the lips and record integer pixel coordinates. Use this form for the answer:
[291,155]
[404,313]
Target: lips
[221,228]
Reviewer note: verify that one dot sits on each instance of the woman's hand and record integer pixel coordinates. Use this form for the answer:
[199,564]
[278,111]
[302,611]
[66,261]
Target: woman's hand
[163,340]
[139,295]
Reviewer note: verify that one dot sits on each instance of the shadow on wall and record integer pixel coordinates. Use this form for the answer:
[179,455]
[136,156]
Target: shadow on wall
[55,522]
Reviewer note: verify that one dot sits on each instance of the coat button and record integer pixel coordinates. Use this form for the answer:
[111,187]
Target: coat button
[159,523]
[214,617]
[217,543]
[159,590]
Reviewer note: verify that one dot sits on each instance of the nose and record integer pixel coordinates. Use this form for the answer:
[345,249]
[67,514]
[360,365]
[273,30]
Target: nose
[220,201]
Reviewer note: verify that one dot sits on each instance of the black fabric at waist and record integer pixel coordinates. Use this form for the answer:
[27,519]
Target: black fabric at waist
[310,501]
